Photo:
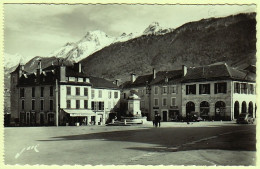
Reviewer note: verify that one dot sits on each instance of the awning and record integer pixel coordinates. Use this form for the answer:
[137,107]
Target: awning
[79,113]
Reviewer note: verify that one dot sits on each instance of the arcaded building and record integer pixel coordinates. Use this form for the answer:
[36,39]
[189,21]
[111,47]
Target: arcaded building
[218,92]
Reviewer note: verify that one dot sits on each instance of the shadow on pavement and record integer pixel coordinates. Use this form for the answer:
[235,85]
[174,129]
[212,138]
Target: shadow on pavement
[178,139]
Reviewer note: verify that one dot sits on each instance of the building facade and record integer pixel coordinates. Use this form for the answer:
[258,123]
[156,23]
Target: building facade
[214,92]
[60,95]
[218,92]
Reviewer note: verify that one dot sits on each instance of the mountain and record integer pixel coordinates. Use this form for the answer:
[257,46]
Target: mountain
[229,39]
[155,28]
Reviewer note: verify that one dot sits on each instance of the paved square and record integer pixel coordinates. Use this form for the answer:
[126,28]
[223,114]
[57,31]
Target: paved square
[203,143]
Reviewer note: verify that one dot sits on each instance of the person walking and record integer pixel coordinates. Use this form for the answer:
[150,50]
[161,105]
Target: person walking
[156,120]
[159,120]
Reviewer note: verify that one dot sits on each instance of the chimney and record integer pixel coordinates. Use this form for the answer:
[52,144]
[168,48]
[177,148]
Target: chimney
[79,64]
[133,77]
[40,66]
[116,82]
[63,73]
[184,70]
[154,73]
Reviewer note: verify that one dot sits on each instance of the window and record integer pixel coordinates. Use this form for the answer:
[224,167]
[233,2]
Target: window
[156,102]
[33,104]
[97,105]
[85,91]
[109,94]
[51,105]
[42,104]
[100,93]
[164,102]
[164,90]
[77,91]
[173,101]
[156,90]
[21,92]
[33,91]
[77,104]
[68,104]
[243,88]
[251,89]
[51,90]
[22,104]
[237,87]
[116,95]
[100,105]
[85,104]
[173,89]
[42,91]
[204,89]
[68,90]
[220,88]
[92,93]
[190,89]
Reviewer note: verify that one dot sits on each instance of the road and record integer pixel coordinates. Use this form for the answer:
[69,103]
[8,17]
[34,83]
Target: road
[173,144]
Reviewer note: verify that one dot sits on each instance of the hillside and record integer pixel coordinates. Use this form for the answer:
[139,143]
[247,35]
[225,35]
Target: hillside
[231,39]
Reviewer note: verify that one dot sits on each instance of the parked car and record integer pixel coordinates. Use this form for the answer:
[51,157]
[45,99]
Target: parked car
[194,116]
[245,118]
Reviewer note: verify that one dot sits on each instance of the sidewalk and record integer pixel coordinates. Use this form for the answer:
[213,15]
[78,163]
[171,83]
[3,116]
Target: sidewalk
[195,124]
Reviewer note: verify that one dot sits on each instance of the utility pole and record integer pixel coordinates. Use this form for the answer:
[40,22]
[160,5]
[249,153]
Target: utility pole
[57,103]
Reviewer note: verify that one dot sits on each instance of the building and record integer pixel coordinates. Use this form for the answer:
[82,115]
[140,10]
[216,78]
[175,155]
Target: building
[215,92]
[166,94]
[218,92]
[61,95]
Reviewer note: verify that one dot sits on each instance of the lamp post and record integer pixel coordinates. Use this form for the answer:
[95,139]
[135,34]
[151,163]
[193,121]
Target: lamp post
[148,91]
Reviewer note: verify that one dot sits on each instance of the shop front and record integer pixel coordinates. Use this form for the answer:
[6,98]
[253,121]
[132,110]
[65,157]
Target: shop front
[79,117]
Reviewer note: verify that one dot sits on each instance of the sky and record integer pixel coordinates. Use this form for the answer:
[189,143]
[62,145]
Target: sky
[39,29]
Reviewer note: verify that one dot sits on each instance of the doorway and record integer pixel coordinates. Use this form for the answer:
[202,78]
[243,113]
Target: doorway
[190,107]
[165,113]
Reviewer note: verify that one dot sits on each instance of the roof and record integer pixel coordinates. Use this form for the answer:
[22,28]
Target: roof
[102,83]
[219,71]
[73,72]
[141,81]
[173,76]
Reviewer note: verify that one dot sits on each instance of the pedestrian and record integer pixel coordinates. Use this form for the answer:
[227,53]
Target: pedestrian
[154,123]
[159,120]
[156,120]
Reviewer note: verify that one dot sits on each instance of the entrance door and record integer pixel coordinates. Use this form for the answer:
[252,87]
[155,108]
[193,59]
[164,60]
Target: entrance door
[27,118]
[41,119]
[164,115]
[236,110]
[51,119]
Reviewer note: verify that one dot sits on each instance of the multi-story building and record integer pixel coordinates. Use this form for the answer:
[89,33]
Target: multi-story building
[61,94]
[218,92]
[166,94]
[215,92]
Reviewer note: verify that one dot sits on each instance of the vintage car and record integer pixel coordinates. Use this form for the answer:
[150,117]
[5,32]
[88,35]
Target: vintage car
[245,118]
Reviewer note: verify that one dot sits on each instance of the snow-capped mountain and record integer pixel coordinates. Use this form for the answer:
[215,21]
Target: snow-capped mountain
[96,40]
[12,60]
[155,28]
